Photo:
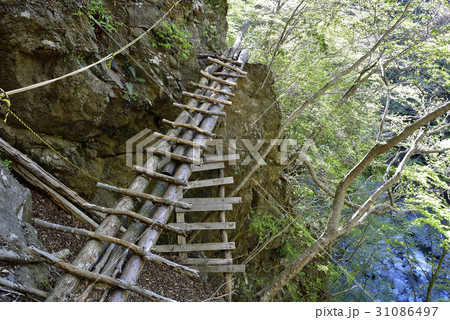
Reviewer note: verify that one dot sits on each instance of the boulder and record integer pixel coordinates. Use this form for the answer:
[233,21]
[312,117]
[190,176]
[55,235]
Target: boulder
[16,234]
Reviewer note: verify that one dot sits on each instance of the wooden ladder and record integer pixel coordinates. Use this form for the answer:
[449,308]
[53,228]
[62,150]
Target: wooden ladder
[183,150]
[220,204]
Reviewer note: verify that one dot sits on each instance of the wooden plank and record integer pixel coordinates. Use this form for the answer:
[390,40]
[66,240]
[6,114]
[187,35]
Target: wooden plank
[145,196]
[213,246]
[189,126]
[203,226]
[219,80]
[152,223]
[208,166]
[211,113]
[205,56]
[210,182]
[205,261]
[213,200]
[233,268]
[210,158]
[159,176]
[227,65]
[213,89]
[173,156]
[180,141]
[229,75]
[207,207]
[206,98]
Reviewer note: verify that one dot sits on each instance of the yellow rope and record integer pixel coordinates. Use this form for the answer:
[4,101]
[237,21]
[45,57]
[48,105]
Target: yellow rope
[6,105]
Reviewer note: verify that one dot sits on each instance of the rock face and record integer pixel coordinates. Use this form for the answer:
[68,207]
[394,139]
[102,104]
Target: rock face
[89,117]
[16,234]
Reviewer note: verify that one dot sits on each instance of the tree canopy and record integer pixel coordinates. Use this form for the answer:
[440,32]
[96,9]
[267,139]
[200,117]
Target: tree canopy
[365,90]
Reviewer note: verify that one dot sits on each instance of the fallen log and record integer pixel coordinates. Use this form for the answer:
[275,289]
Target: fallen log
[23,289]
[41,179]
[16,257]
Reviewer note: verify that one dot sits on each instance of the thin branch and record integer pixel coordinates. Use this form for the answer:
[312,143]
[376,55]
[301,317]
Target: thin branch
[432,151]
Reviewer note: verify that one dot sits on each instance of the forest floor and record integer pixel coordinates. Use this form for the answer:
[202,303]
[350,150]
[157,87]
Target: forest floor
[156,278]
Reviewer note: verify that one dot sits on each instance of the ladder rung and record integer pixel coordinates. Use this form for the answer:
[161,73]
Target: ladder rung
[204,226]
[204,56]
[159,176]
[213,200]
[232,268]
[221,81]
[211,113]
[210,182]
[209,158]
[226,65]
[212,89]
[206,98]
[145,196]
[208,166]
[214,246]
[150,222]
[226,74]
[180,141]
[205,261]
[190,126]
[173,156]
[207,207]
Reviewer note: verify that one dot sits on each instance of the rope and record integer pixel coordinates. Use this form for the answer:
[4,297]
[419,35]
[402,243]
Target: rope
[6,105]
[108,57]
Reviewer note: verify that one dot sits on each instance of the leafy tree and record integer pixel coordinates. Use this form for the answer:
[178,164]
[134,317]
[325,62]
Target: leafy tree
[368,84]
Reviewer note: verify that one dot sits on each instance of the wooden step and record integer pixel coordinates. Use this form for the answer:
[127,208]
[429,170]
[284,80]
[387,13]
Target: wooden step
[229,75]
[180,141]
[218,80]
[208,166]
[212,89]
[207,207]
[150,222]
[206,98]
[159,176]
[211,113]
[203,226]
[210,158]
[227,65]
[145,196]
[205,261]
[232,268]
[228,60]
[189,126]
[213,246]
[173,156]
[213,200]
[210,182]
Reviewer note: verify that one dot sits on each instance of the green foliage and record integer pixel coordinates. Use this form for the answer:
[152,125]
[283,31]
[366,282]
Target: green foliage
[99,17]
[5,161]
[173,36]
[323,39]
[130,73]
